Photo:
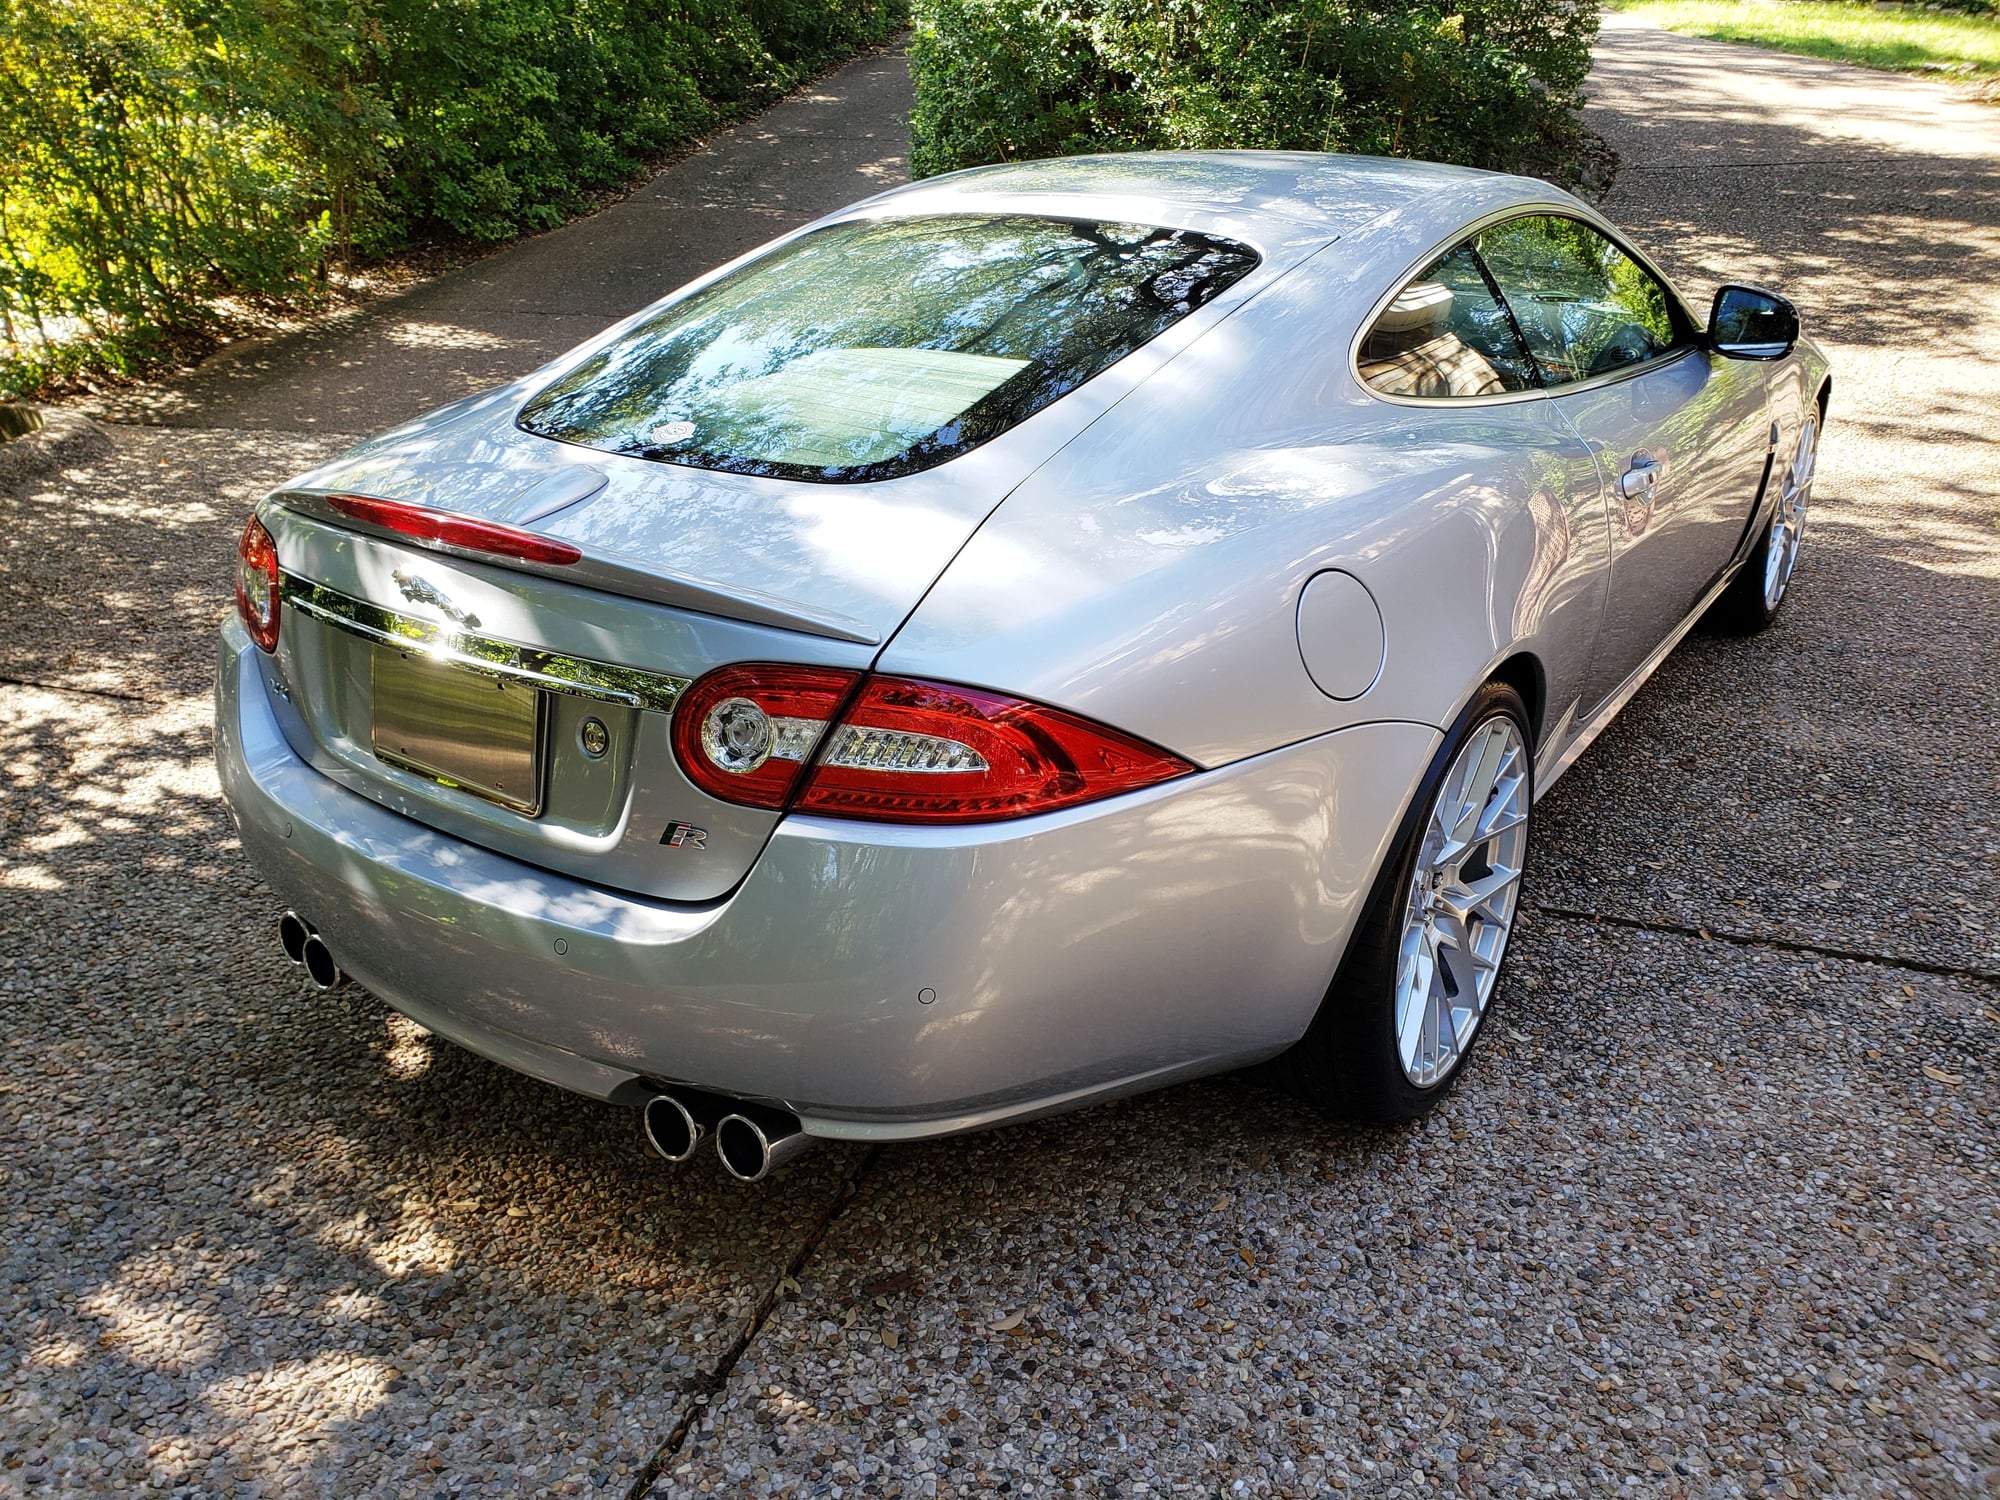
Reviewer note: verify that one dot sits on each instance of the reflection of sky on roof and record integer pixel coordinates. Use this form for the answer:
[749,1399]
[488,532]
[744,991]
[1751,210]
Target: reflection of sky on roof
[1335,192]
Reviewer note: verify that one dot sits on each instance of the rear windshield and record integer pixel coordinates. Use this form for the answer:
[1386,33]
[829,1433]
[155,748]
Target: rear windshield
[880,347]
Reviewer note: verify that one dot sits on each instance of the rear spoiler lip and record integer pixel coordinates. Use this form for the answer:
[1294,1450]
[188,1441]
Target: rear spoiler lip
[608,573]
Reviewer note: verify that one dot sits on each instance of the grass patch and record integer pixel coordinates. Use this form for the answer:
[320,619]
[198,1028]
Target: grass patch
[1901,40]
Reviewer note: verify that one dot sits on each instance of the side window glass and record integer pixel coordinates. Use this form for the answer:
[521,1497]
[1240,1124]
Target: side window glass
[1445,335]
[1585,307]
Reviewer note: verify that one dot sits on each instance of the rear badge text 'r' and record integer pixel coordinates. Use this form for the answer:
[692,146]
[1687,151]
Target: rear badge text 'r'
[685,836]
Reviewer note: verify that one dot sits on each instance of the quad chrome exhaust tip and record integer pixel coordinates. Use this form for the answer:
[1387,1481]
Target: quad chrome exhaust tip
[320,967]
[303,945]
[678,1120]
[293,931]
[755,1141]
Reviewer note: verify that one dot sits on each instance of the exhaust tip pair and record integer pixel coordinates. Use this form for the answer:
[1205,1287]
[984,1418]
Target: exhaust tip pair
[752,1140]
[303,945]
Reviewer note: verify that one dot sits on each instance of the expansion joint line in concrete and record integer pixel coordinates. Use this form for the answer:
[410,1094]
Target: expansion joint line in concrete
[1756,940]
[704,1389]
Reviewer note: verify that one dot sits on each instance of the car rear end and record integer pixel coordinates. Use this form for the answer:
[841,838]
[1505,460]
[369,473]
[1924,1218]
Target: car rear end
[879,948]
[555,724]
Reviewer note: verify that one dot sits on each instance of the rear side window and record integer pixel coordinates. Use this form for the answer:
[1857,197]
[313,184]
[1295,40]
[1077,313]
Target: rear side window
[1446,334]
[1585,307]
[882,347]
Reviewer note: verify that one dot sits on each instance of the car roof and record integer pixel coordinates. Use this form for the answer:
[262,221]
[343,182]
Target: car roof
[1277,196]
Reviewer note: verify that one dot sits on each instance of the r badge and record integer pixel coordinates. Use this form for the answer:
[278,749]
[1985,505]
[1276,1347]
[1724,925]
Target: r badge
[684,836]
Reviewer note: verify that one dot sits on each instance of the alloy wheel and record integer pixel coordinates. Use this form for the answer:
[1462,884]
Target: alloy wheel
[1462,900]
[1781,553]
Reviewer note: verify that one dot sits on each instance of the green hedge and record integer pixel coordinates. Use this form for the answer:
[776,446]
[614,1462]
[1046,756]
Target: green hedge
[1489,83]
[157,155]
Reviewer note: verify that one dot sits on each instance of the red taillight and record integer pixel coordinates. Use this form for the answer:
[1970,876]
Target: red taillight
[744,733]
[454,531]
[257,584]
[902,751]
[922,752]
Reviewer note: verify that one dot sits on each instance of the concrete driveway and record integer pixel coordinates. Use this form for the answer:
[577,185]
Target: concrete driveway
[1714,1214]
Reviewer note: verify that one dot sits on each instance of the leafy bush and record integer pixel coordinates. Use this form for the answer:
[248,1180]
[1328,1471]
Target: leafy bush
[156,155]
[1491,83]
[130,167]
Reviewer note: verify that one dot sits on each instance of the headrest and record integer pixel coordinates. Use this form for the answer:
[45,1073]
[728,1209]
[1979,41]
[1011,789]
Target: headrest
[1421,305]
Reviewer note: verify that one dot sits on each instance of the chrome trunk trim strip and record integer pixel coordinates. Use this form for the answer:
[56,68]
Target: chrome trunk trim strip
[603,682]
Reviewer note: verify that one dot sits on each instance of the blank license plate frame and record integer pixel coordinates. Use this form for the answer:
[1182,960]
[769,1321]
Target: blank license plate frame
[469,729]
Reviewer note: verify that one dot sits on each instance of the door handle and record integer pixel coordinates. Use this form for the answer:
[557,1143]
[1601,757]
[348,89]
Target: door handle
[1640,478]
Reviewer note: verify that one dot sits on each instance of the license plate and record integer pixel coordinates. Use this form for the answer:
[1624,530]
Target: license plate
[461,727]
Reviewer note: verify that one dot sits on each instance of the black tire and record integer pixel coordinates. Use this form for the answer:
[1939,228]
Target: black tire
[1349,1064]
[1745,607]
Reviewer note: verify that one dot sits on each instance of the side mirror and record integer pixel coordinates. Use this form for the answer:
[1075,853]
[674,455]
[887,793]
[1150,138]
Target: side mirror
[1747,322]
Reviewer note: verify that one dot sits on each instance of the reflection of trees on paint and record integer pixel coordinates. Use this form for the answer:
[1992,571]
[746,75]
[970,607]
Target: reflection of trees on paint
[879,348]
[1553,543]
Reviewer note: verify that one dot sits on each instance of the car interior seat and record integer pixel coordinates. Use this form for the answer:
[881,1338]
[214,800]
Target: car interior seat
[1411,350]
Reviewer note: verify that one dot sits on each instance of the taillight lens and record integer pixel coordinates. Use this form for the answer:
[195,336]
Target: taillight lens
[426,525]
[744,733]
[257,584]
[902,751]
[922,752]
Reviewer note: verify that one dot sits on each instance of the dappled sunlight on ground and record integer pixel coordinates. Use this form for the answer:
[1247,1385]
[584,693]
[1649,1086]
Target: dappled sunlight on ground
[1889,244]
[408,1054]
[1843,756]
[109,574]
[310,1250]
[1717,114]
[412,335]
[1870,495]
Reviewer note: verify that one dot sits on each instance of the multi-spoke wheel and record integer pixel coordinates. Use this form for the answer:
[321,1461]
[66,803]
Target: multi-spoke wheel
[1788,522]
[1419,975]
[1752,601]
[1461,901]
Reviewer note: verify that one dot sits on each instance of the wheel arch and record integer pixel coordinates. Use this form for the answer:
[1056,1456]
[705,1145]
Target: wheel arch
[1523,672]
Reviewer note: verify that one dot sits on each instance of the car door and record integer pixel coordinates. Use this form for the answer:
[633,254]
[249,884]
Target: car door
[1447,342]
[1681,436]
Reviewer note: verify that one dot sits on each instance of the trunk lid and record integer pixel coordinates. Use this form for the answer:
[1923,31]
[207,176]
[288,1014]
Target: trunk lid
[845,561]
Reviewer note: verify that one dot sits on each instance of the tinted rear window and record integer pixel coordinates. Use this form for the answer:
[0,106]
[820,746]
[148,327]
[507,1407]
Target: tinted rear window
[880,347]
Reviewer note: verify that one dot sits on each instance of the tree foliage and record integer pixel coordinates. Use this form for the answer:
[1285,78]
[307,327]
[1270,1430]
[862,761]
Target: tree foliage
[1490,83]
[158,154]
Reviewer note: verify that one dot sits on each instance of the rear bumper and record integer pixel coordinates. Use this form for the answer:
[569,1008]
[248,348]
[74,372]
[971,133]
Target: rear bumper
[882,982]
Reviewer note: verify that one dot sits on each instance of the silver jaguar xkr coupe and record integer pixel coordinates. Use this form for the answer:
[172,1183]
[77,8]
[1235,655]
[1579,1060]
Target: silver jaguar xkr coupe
[1032,636]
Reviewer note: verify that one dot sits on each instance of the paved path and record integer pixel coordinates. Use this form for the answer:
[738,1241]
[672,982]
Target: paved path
[837,140]
[1699,1222]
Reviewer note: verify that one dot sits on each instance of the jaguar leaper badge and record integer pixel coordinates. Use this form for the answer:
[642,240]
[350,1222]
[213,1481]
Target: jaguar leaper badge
[423,591]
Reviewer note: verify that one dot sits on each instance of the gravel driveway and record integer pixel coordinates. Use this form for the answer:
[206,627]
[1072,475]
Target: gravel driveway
[1715,1214]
